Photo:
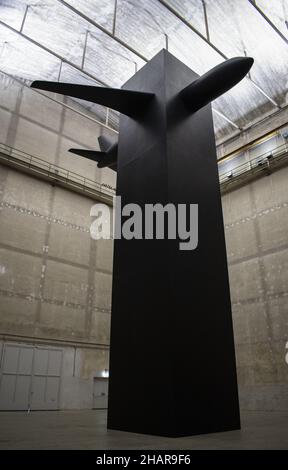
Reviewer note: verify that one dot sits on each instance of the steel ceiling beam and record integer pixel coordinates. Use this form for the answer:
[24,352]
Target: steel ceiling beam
[206,20]
[104,30]
[191,27]
[184,21]
[261,12]
[125,45]
[137,53]
[71,64]
[210,44]
[49,51]
[226,119]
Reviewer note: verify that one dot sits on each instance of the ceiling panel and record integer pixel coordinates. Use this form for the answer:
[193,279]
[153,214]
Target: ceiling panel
[144,25]
[235,27]
[243,104]
[25,60]
[100,11]
[109,60]
[277,12]
[56,27]
[222,127]
[192,11]
[12,12]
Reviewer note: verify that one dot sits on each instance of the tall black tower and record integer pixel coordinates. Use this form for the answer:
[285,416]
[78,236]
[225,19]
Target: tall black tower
[172,360]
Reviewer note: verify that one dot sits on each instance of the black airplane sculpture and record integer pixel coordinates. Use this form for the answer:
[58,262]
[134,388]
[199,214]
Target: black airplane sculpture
[107,157]
[172,359]
[196,95]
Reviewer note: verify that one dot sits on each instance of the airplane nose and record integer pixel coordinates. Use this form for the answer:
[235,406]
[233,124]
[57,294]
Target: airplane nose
[216,82]
[240,65]
[250,62]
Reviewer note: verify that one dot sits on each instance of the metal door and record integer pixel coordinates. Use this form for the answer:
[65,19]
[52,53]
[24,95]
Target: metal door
[100,393]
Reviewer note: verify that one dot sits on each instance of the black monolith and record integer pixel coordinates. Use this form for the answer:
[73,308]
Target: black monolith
[172,360]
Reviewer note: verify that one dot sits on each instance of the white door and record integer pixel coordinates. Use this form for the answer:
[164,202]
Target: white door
[15,379]
[46,378]
[100,393]
[30,377]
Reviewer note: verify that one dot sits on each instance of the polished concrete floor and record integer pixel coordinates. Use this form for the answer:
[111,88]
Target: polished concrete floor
[87,430]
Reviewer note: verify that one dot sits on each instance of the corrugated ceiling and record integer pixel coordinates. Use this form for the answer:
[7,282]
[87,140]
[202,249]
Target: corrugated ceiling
[52,30]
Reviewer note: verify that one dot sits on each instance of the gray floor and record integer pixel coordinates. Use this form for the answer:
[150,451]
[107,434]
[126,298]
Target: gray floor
[87,430]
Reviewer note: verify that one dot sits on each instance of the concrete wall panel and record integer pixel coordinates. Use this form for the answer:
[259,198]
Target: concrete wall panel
[241,243]
[72,208]
[81,129]
[21,230]
[104,255]
[17,313]
[245,280]
[65,283]
[103,287]
[237,205]
[36,107]
[9,92]
[27,193]
[100,328]
[20,273]
[278,313]
[273,228]
[69,244]
[35,140]
[63,320]
[276,272]
[5,117]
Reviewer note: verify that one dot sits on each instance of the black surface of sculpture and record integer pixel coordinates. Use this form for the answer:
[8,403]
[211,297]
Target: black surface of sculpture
[172,360]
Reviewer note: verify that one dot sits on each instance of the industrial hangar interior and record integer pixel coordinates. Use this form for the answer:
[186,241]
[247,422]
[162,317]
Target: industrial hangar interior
[56,280]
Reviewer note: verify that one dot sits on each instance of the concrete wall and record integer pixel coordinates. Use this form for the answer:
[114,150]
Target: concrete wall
[34,124]
[79,366]
[256,227]
[55,282]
